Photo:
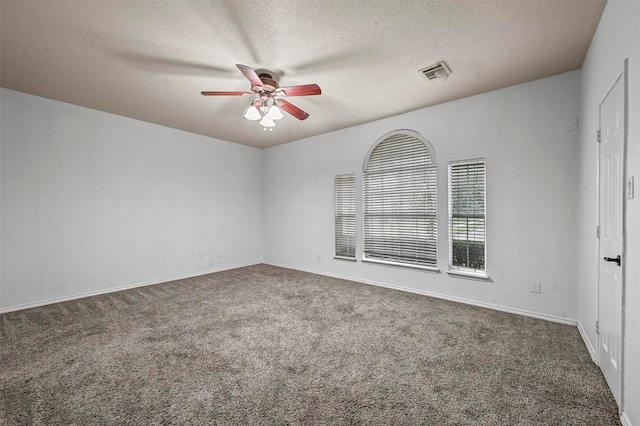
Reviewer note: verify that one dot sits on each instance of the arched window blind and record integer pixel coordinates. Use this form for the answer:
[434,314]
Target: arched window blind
[400,197]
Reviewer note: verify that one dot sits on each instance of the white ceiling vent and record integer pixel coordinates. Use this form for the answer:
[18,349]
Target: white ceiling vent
[439,71]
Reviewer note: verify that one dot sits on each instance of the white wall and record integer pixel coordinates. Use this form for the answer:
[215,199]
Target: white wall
[93,202]
[531,188]
[617,38]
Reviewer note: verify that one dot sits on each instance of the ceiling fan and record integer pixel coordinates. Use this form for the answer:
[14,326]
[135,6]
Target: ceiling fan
[267,97]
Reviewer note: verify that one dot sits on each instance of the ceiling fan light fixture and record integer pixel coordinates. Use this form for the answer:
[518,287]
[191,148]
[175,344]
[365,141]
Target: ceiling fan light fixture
[267,122]
[274,113]
[252,113]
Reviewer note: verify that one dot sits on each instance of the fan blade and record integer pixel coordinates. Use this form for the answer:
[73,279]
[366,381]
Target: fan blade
[251,75]
[302,90]
[226,93]
[292,109]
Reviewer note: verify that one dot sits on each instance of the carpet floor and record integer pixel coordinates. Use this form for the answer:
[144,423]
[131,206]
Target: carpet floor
[268,345]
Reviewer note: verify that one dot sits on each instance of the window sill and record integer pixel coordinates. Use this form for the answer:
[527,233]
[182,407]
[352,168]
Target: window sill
[478,276]
[348,259]
[431,269]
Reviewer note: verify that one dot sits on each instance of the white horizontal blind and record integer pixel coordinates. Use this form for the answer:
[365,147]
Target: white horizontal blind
[400,193]
[345,215]
[467,199]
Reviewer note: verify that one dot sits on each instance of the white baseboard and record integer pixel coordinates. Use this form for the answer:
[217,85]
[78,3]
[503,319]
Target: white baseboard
[370,282]
[119,288]
[587,342]
[624,419]
[538,315]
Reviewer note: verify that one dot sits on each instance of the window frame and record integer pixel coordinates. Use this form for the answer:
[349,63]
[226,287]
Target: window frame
[430,215]
[340,215]
[458,270]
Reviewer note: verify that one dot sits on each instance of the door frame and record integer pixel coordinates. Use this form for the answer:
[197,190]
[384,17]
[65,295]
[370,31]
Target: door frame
[621,73]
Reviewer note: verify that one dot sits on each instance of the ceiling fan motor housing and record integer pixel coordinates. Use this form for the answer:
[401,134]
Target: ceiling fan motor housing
[270,84]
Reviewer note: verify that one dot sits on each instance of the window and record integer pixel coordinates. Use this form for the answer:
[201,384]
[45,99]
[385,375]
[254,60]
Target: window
[400,193]
[345,203]
[467,220]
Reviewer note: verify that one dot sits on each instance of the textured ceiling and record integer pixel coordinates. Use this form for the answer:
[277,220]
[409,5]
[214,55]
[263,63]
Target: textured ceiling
[150,60]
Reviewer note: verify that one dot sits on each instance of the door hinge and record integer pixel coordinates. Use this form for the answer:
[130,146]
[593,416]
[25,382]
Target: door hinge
[598,232]
[597,327]
[599,136]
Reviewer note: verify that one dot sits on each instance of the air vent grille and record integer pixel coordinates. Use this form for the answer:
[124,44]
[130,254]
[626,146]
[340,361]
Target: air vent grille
[439,71]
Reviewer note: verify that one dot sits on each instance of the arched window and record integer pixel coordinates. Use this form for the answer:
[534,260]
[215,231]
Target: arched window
[400,201]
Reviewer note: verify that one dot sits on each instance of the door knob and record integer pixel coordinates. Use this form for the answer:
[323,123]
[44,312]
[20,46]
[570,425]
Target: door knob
[613,259]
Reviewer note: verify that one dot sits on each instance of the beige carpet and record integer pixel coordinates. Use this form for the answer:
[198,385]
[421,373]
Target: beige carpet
[266,345]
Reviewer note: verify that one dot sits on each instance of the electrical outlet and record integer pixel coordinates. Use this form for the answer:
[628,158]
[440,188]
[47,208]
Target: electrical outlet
[201,252]
[319,256]
[535,287]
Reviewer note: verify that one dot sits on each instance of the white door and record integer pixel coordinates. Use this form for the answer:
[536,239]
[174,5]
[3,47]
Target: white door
[612,128]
